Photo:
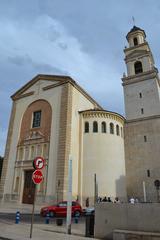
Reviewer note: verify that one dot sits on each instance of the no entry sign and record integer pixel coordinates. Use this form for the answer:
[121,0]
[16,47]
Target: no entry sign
[38,163]
[37,176]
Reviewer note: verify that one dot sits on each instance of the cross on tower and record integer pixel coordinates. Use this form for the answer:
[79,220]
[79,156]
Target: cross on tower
[133,19]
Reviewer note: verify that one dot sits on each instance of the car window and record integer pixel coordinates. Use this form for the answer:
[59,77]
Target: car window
[62,204]
[74,204]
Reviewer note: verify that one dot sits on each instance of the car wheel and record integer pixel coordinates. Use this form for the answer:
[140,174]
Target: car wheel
[51,214]
[77,214]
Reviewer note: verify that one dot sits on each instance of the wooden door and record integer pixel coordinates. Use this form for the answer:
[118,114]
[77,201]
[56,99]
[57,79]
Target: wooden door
[29,188]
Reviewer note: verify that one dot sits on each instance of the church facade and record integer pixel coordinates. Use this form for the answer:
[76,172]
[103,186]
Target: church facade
[53,117]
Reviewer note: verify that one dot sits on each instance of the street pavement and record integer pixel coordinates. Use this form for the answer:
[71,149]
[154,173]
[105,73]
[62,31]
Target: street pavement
[11,231]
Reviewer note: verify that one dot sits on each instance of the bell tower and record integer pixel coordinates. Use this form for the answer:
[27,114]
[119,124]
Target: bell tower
[141,87]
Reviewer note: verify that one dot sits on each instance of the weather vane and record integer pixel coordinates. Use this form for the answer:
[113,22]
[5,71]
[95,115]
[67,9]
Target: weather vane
[133,19]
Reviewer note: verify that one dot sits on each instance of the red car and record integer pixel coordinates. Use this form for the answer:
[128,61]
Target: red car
[60,209]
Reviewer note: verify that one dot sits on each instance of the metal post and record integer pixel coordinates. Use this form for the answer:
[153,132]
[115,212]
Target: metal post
[32,218]
[69,200]
[144,191]
[158,194]
[95,189]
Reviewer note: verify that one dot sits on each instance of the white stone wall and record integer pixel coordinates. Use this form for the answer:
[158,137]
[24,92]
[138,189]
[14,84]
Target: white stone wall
[149,101]
[79,103]
[103,155]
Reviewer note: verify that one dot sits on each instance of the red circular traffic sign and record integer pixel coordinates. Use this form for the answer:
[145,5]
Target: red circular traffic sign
[38,163]
[37,176]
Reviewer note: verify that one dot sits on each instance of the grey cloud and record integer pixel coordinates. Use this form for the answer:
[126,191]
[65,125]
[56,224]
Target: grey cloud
[39,67]
[63,45]
[20,60]
[47,68]
[53,34]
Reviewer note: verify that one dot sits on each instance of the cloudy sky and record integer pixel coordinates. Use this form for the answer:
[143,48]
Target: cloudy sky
[83,39]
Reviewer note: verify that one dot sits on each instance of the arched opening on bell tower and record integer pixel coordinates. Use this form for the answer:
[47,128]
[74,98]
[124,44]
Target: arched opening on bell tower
[138,67]
[135,40]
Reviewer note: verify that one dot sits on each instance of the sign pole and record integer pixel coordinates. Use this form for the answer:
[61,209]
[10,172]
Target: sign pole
[32,218]
[37,178]
[69,200]
[95,188]
[144,191]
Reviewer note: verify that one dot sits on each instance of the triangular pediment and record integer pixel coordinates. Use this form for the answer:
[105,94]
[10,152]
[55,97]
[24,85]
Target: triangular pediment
[34,135]
[44,82]
[41,80]
[137,53]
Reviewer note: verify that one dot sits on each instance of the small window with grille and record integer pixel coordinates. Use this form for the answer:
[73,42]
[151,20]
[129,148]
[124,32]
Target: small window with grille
[36,119]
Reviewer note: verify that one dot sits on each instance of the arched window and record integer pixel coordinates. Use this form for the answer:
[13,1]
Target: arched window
[86,127]
[135,41]
[103,127]
[111,128]
[95,126]
[138,67]
[117,130]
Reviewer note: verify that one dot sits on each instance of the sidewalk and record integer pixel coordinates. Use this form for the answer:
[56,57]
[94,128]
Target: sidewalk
[11,231]
[40,232]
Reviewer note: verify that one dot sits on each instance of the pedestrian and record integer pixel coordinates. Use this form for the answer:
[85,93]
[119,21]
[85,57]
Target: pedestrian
[87,202]
[104,199]
[116,200]
[136,200]
[132,200]
[109,199]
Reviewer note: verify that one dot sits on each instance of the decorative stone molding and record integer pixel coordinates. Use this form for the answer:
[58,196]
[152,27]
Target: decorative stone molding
[140,77]
[103,114]
[23,95]
[143,119]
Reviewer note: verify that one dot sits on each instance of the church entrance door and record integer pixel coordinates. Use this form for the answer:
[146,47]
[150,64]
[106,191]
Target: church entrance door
[29,188]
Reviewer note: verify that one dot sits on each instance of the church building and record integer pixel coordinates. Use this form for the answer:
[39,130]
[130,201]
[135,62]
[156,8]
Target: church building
[53,117]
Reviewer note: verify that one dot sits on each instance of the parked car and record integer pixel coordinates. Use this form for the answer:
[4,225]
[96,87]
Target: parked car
[60,209]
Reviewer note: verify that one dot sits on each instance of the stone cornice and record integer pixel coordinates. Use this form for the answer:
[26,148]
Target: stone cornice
[135,57]
[22,96]
[140,77]
[104,114]
[143,119]
[82,91]
[54,85]
[138,46]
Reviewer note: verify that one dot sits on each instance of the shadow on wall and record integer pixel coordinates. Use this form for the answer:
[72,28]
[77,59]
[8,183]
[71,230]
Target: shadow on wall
[121,192]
